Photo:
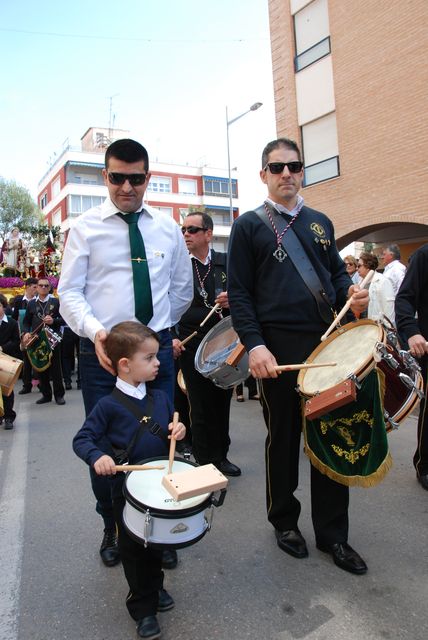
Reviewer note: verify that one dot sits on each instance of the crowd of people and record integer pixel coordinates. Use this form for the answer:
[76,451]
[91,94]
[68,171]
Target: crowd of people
[281,282]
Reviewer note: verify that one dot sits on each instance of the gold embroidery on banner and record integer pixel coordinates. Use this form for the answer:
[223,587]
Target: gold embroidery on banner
[351,456]
[361,416]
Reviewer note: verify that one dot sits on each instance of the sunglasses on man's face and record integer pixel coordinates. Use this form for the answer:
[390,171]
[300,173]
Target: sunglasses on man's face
[278,167]
[45,286]
[134,179]
[192,229]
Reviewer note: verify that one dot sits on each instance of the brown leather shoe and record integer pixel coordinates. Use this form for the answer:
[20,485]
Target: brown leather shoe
[292,542]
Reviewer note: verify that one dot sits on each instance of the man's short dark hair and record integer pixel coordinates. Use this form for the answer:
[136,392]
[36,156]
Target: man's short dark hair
[30,281]
[3,301]
[395,250]
[125,338]
[127,150]
[207,221]
[277,144]
[369,260]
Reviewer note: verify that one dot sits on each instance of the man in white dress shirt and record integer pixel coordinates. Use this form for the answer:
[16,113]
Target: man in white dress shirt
[394,269]
[96,288]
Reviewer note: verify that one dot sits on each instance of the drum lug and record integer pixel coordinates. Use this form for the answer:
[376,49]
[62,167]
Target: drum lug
[147,527]
[392,338]
[217,502]
[409,361]
[394,425]
[382,351]
[355,380]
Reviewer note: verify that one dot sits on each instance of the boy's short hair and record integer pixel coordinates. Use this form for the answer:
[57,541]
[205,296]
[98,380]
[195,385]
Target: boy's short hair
[3,301]
[125,338]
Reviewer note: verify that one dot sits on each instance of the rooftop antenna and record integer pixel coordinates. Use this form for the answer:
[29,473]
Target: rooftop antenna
[111,116]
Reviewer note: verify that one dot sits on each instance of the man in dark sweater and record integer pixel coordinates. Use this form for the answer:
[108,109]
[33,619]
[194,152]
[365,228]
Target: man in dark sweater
[19,307]
[209,404]
[412,299]
[280,319]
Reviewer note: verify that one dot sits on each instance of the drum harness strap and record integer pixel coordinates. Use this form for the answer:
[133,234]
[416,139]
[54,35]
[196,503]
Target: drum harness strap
[299,258]
[144,418]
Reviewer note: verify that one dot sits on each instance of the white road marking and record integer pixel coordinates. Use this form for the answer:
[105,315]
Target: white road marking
[12,503]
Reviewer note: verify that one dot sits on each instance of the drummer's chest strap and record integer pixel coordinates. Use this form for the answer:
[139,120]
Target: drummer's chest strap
[297,254]
[144,418]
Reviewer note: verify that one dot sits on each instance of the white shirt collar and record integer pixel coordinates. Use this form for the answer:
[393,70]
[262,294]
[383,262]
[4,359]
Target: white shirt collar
[135,392]
[207,259]
[4,319]
[108,209]
[45,300]
[282,209]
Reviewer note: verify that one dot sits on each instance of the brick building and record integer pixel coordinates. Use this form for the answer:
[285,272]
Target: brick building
[350,84]
[74,183]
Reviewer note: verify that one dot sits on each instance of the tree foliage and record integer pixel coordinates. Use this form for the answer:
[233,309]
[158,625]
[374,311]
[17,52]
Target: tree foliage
[17,208]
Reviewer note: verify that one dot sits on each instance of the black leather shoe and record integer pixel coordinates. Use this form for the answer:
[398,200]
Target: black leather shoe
[148,628]
[292,542]
[166,602]
[24,390]
[60,400]
[8,423]
[169,559]
[109,551]
[345,557]
[228,468]
[423,479]
[68,386]
[43,400]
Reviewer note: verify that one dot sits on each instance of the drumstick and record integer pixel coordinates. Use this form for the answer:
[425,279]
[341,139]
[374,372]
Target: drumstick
[340,315]
[137,467]
[188,338]
[172,444]
[309,365]
[213,310]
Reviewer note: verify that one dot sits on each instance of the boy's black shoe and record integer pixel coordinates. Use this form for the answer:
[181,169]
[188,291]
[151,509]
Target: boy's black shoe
[169,559]
[166,602]
[148,628]
[8,423]
[109,550]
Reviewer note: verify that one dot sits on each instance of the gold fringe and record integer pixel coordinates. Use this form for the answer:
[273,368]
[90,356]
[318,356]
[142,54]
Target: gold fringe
[351,481]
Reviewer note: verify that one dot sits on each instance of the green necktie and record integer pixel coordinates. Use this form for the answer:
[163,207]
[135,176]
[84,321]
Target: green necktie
[140,269]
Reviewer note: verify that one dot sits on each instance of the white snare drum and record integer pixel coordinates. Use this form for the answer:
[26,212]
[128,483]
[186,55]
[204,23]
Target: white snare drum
[214,350]
[357,348]
[155,519]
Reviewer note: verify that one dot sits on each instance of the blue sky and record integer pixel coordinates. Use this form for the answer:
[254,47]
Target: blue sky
[170,67]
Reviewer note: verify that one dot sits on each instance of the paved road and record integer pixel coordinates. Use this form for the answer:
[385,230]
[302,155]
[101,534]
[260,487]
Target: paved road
[235,583]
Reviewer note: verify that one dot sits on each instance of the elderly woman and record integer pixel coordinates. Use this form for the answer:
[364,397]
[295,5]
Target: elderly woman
[351,268]
[380,289]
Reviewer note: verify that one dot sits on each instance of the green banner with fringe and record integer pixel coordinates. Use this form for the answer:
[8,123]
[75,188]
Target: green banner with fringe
[350,444]
[40,353]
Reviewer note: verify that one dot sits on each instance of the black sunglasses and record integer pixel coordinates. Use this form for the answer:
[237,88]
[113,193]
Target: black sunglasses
[134,179]
[44,285]
[192,229]
[278,167]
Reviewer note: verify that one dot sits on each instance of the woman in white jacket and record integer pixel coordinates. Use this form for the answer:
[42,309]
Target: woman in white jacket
[380,291]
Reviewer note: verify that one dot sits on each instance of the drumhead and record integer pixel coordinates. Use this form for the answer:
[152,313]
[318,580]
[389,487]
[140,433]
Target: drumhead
[146,489]
[351,347]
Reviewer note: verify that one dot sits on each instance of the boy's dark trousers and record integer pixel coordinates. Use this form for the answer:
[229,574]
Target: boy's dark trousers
[142,567]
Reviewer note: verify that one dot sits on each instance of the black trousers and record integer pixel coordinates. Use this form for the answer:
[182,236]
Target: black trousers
[8,406]
[27,372]
[209,413]
[53,372]
[69,353]
[420,459]
[142,567]
[283,416]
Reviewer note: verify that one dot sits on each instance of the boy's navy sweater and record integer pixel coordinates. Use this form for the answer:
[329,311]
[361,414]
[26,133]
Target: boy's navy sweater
[110,423]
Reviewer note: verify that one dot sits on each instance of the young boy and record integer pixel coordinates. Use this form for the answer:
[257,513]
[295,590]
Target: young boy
[111,429]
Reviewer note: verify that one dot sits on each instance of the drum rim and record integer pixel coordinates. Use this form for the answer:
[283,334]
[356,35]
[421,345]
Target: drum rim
[365,366]
[409,404]
[163,545]
[166,514]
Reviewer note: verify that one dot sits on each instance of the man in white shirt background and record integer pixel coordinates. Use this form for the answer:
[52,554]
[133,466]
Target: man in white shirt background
[394,270]
[98,287]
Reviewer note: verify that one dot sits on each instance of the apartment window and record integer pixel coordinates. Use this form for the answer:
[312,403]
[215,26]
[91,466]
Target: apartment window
[220,217]
[43,201]
[159,184]
[312,34]
[320,149]
[166,210]
[56,187]
[187,187]
[80,204]
[85,178]
[219,187]
[56,218]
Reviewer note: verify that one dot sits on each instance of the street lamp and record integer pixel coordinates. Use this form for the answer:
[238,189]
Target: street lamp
[253,107]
